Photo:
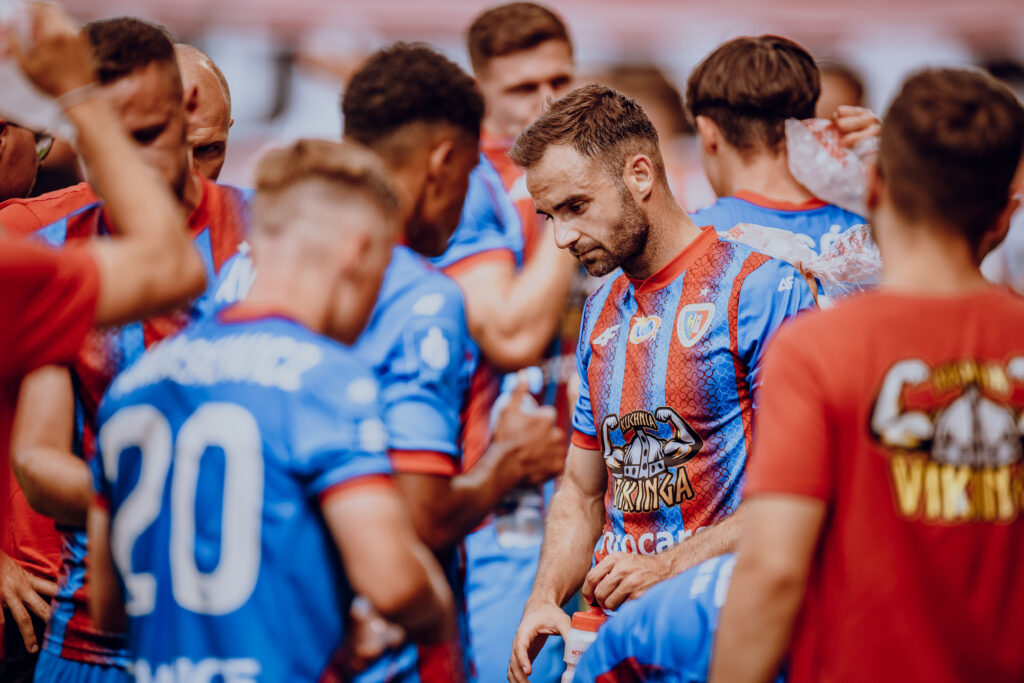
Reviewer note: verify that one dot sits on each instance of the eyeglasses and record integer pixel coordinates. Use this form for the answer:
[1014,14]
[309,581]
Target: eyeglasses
[44,141]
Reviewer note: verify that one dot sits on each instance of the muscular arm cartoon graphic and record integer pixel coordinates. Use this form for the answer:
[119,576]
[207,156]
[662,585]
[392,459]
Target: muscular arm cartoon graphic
[684,444]
[612,455]
[891,425]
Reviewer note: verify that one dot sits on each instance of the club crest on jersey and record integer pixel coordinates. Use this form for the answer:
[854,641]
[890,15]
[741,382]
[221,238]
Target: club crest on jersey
[648,466]
[693,322]
[952,436]
[644,328]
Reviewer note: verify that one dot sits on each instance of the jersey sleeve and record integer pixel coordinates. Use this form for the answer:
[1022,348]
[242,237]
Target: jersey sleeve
[792,438]
[770,295]
[48,304]
[336,430]
[424,384]
[584,432]
[489,229]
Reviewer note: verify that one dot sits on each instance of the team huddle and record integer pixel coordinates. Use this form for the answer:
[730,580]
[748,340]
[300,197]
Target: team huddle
[399,410]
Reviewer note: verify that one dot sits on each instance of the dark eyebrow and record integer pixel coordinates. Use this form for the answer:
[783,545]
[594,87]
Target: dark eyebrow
[572,199]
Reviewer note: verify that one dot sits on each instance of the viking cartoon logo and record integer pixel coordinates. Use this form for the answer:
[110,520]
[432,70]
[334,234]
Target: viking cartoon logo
[648,468]
[953,437]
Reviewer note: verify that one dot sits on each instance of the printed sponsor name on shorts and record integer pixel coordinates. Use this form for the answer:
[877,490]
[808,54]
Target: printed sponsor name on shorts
[650,543]
[203,671]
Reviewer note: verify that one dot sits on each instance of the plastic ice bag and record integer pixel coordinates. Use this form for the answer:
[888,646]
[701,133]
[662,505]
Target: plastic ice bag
[22,102]
[848,263]
[821,164]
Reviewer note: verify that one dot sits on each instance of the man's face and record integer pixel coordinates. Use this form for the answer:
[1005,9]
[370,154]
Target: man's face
[208,123]
[593,217]
[19,161]
[148,102]
[518,87]
[439,206]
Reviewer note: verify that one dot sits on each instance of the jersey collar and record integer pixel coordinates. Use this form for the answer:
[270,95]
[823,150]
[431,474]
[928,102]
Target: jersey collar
[678,265]
[767,203]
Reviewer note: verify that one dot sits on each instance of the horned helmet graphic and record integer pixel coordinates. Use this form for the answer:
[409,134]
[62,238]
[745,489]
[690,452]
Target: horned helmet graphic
[645,454]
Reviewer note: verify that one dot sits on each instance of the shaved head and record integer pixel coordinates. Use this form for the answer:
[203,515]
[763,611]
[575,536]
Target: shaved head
[208,101]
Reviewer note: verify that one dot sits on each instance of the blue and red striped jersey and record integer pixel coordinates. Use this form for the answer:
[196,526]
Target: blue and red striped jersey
[669,370]
[218,225]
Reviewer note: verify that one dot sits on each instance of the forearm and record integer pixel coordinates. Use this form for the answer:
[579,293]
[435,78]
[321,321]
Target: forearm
[718,539]
[443,518]
[430,617]
[56,483]
[755,625]
[572,528]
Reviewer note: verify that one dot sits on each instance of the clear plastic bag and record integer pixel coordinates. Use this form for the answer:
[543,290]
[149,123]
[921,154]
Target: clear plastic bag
[821,164]
[849,263]
[22,103]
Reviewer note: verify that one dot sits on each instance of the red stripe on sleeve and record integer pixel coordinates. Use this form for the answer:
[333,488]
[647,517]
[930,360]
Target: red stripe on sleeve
[423,462]
[585,441]
[349,485]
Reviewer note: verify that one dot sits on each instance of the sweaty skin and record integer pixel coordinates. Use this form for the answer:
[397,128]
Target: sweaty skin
[209,120]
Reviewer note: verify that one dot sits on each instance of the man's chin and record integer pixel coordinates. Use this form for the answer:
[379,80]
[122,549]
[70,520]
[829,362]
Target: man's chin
[597,267]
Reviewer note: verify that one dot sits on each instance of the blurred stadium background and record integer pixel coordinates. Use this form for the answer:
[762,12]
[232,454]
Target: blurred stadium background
[286,60]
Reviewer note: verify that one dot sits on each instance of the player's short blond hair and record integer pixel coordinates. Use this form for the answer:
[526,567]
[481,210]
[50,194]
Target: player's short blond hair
[346,164]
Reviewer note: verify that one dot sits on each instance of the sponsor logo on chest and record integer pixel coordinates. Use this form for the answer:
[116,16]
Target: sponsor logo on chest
[643,328]
[693,323]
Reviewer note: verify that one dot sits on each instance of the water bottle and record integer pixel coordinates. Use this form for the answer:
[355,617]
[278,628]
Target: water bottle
[519,516]
[583,633]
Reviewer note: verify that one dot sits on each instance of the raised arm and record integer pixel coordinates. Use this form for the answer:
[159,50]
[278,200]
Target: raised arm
[572,528]
[513,315]
[153,265]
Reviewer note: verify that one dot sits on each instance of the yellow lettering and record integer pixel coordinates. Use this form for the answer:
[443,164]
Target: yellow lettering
[665,489]
[907,479]
[985,494]
[932,492]
[684,490]
[1005,503]
[650,493]
[956,504]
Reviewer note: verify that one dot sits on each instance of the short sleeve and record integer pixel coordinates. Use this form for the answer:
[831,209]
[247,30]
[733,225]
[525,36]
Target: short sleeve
[48,304]
[584,432]
[424,383]
[489,228]
[770,295]
[792,435]
[336,430]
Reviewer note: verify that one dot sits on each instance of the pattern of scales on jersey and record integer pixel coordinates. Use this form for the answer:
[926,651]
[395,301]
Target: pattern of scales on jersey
[670,398]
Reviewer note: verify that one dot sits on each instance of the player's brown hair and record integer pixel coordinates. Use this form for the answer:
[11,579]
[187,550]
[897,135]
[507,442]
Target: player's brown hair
[512,28]
[750,86]
[347,164]
[123,45]
[950,146]
[599,123]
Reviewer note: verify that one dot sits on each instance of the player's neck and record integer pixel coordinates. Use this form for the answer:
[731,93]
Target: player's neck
[671,231]
[920,259]
[295,297]
[765,174]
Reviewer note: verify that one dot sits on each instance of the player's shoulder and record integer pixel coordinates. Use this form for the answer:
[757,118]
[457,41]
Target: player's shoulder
[45,217]
[719,215]
[413,287]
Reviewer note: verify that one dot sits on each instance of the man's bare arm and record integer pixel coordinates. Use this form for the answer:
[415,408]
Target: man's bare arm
[55,482]
[387,564]
[626,576]
[527,449]
[514,315]
[153,265]
[780,534]
[572,528]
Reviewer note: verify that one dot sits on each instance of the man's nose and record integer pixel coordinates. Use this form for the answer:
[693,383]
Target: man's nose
[565,236]
[547,97]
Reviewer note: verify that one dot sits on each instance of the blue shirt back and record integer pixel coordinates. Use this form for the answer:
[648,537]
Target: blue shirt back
[815,222]
[215,450]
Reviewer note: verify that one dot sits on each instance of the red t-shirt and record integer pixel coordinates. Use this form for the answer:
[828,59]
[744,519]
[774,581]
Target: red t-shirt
[902,414]
[47,308]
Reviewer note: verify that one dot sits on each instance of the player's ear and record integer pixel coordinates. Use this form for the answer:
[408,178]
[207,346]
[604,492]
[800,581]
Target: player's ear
[875,187]
[996,236]
[440,160]
[191,100]
[640,175]
[709,134]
